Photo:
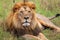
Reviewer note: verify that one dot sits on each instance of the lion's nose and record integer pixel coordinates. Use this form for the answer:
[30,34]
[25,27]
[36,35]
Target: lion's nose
[26,17]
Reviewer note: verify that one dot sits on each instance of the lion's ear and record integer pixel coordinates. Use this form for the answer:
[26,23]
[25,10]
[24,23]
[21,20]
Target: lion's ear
[31,5]
[16,7]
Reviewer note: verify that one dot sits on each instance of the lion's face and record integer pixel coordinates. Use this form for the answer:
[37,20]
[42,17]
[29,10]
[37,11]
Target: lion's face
[25,15]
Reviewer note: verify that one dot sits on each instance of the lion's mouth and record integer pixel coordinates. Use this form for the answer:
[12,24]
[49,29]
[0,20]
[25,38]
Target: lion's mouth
[26,23]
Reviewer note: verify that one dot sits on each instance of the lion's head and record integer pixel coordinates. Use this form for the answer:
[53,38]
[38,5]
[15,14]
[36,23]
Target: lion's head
[23,19]
[24,14]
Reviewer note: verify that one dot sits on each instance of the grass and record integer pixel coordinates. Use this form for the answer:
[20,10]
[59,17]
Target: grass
[5,8]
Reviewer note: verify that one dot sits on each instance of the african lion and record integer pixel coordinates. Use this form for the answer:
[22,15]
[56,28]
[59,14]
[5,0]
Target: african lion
[23,20]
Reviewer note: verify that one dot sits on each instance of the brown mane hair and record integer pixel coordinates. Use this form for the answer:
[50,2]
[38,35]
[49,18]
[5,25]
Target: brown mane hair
[14,25]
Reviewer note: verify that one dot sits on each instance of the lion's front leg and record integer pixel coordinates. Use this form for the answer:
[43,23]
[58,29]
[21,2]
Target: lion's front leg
[42,37]
[30,37]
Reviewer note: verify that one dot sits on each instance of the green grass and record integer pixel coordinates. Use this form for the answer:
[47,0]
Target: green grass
[5,8]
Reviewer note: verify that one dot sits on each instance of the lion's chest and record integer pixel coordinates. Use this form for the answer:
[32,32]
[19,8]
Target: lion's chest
[34,32]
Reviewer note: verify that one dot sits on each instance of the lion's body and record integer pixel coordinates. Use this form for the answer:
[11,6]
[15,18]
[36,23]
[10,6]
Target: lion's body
[47,23]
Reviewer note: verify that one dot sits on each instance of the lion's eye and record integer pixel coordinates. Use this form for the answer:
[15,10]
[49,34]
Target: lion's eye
[29,11]
[21,11]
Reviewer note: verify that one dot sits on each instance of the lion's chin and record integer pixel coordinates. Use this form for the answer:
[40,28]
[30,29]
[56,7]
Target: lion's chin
[26,24]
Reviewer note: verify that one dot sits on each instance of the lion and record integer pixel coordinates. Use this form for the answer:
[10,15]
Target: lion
[23,20]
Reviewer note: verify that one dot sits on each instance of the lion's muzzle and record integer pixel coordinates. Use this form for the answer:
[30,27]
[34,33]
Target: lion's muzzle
[26,22]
